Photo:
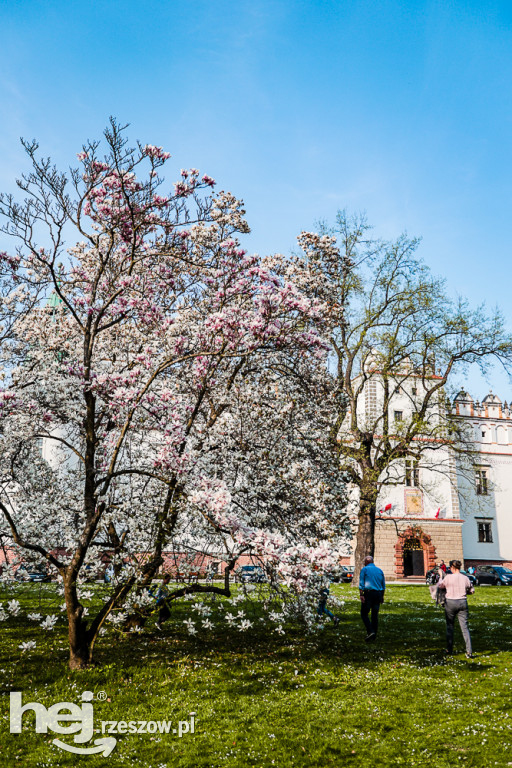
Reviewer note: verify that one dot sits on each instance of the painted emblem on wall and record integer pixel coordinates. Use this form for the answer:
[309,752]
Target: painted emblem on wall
[413,502]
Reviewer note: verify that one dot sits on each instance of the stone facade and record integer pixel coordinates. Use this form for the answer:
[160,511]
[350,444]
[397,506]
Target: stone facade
[436,540]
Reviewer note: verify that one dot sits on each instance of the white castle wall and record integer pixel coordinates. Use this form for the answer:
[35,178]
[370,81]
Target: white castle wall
[490,423]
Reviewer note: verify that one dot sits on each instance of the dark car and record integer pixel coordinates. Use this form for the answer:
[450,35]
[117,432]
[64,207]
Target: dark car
[250,574]
[32,574]
[493,574]
[431,577]
[346,573]
[470,577]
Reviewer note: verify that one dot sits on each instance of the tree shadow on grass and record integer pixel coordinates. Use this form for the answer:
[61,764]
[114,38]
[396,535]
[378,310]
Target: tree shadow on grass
[412,633]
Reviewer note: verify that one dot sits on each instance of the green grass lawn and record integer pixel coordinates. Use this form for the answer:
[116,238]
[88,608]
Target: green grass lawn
[270,700]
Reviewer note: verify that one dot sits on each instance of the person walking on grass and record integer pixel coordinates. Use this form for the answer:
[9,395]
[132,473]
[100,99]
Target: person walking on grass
[322,604]
[372,586]
[457,588]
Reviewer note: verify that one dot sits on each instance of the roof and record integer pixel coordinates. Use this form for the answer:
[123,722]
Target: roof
[491,398]
[463,397]
[54,301]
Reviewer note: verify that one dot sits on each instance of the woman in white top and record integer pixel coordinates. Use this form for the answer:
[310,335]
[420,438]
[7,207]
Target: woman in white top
[457,586]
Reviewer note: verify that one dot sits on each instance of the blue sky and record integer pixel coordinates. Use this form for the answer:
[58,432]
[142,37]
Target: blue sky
[400,109]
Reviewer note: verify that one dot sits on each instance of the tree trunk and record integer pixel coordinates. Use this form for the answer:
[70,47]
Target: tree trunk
[365,537]
[80,654]
[80,649]
[80,646]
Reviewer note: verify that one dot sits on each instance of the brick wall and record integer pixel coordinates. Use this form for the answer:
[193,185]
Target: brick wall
[496,561]
[441,540]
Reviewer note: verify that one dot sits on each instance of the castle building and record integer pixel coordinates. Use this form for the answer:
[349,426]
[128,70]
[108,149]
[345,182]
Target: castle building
[447,507]
[486,496]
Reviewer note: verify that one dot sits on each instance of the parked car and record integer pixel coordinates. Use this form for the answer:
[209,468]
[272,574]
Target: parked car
[32,574]
[493,574]
[250,574]
[433,576]
[470,577]
[346,573]
[429,577]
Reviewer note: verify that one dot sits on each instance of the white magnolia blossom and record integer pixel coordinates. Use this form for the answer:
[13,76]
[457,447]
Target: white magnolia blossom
[49,622]
[202,608]
[245,624]
[190,626]
[28,646]
[13,606]
[117,618]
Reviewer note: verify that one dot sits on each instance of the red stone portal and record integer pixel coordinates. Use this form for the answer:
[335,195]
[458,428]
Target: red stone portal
[413,540]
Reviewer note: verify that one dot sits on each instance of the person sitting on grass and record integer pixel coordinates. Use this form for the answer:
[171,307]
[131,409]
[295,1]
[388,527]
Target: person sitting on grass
[161,601]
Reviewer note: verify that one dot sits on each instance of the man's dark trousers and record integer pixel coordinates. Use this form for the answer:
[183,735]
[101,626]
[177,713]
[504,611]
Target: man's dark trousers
[372,602]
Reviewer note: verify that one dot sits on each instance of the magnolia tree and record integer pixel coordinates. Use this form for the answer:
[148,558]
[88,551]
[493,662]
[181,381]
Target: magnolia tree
[262,482]
[270,453]
[136,357]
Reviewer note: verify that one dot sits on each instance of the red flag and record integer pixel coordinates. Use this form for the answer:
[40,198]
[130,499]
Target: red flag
[388,507]
[437,513]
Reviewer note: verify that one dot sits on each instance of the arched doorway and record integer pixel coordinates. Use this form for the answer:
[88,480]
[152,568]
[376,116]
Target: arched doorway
[414,553]
[414,560]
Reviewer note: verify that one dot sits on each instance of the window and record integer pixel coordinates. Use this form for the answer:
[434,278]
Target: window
[412,473]
[481,482]
[414,390]
[39,445]
[399,415]
[483,433]
[484,532]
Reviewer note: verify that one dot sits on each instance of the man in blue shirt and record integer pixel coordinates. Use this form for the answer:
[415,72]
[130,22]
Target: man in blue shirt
[371,588]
